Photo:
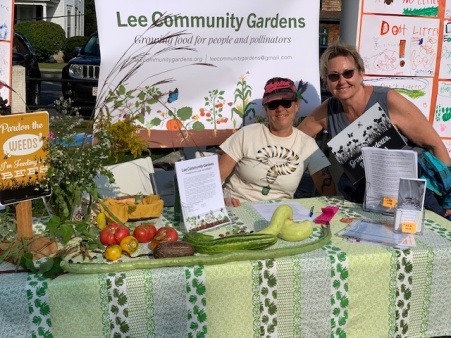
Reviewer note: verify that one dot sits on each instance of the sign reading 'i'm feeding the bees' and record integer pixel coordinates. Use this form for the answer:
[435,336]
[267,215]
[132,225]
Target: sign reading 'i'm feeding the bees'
[23,166]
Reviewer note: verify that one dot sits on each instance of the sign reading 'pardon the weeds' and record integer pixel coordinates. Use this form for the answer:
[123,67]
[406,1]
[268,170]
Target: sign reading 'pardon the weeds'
[22,167]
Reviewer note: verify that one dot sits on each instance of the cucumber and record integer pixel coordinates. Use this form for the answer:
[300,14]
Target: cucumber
[230,243]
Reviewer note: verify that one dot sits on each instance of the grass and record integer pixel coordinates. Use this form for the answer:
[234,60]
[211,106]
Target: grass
[52,66]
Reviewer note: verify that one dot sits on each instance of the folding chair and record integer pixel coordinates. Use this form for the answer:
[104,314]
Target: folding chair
[131,178]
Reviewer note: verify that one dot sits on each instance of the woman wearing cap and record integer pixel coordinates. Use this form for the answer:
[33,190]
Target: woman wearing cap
[267,161]
[342,68]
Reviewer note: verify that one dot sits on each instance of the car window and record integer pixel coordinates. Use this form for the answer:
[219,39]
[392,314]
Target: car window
[19,46]
[92,46]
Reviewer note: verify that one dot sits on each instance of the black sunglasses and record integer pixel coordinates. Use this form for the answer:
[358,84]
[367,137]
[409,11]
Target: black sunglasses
[274,104]
[347,74]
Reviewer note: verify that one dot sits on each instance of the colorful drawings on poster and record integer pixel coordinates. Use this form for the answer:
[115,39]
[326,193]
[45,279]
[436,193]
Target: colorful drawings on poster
[442,116]
[445,63]
[400,46]
[418,90]
[405,7]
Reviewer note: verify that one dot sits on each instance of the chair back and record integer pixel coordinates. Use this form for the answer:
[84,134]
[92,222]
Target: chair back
[131,178]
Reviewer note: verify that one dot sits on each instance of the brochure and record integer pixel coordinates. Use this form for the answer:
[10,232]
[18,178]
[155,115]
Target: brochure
[372,129]
[200,193]
[383,170]
[377,232]
[410,211]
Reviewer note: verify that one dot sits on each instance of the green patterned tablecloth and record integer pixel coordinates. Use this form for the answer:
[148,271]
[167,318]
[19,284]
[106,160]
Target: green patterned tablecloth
[343,289]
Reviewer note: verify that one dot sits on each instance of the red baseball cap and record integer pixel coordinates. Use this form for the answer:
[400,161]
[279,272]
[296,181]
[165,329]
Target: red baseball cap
[279,88]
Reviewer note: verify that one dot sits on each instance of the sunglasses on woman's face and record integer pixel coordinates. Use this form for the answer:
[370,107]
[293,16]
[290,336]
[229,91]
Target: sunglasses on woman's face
[274,104]
[347,74]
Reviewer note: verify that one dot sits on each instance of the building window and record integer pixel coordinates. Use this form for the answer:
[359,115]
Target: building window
[323,36]
[76,21]
[68,22]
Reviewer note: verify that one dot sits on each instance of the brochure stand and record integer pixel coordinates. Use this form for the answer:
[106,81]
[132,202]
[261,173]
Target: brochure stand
[410,211]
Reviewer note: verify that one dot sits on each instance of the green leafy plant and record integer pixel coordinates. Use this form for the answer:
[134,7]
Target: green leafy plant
[46,37]
[70,45]
[72,167]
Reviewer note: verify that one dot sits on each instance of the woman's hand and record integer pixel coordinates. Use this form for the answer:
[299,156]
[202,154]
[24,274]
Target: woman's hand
[235,202]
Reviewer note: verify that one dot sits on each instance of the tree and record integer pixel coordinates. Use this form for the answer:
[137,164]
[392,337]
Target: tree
[46,37]
[90,17]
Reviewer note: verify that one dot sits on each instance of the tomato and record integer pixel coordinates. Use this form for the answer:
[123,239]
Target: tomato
[129,244]
[144,232]
[112,252]
[152,230]
[121,232]
[113,234]
[107,235]
[166,234]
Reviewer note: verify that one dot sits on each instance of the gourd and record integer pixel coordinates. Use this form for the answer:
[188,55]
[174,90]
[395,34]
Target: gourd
[295,231]
[278,218]
[283,226]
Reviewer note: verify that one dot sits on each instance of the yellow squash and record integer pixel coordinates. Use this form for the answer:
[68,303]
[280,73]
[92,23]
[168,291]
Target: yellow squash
[295,231]
[278,218]
[283,226]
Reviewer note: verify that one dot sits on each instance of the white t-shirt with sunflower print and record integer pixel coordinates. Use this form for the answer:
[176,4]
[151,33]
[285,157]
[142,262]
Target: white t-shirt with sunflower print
[270,164]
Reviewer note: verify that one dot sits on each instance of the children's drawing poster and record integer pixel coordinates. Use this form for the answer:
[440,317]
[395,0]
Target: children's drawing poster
[5,69]
[442,116]
[416,89]
[445,63]
[6,30]
[448,145]
[400,46]
[404,7]
[406,45]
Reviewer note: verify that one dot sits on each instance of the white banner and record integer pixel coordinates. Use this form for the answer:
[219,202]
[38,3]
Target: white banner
[204,62]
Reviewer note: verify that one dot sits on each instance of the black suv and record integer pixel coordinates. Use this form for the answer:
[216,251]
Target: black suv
[25,55]
[82,74]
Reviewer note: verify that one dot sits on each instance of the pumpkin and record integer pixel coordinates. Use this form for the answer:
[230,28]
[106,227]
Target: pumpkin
[174,125]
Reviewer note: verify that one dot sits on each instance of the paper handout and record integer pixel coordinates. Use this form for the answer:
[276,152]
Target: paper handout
[200,191]
[383,170]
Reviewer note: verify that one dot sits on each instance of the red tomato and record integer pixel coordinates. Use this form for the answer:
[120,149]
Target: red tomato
[121,232]
[166,234]
[113,234]
[107,236]
[152,230]
[144,232]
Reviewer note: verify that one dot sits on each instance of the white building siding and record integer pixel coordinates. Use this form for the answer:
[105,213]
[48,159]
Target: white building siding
[54,11]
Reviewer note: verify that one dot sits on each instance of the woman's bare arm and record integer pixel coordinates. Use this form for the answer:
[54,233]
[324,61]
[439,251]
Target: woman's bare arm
[324,182]
[316,121]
